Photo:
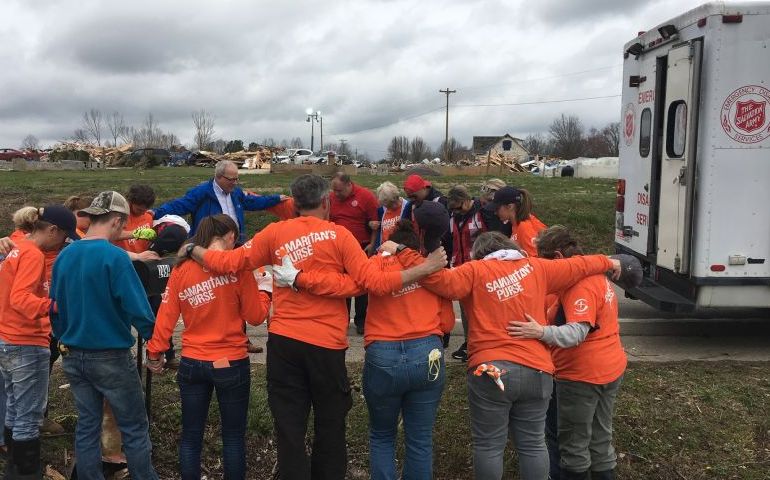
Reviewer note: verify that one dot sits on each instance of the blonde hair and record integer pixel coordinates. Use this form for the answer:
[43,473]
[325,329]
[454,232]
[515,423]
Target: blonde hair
[77,202]
[24,218]
[489,188]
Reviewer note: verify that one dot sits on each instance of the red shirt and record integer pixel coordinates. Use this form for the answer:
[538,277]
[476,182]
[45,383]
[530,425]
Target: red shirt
[600,359]
[355,212]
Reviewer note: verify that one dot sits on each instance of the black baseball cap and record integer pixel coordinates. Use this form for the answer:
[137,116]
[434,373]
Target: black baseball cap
[507,195]
[169,240]
[62,217]
[631,273]
[433,221]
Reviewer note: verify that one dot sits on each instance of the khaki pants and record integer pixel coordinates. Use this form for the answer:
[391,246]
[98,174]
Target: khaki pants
[585,425]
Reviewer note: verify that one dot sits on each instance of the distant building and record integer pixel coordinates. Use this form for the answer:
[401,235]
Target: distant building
[508,147]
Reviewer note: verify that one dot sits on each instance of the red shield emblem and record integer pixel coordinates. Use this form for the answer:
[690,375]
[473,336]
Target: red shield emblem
[749,115]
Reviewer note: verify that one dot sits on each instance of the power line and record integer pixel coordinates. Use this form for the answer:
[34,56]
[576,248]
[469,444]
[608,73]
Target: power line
[539,102]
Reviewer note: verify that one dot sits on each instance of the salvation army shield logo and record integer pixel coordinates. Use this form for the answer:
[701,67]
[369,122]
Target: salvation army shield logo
[749,116]
[744,114]
[629,118]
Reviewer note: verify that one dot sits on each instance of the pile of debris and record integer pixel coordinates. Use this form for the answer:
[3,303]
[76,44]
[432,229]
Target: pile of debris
[76,151]
[511,164]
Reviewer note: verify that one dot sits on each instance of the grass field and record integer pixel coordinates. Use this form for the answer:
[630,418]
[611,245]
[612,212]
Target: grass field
[683,421]
[585,205]
[673,421]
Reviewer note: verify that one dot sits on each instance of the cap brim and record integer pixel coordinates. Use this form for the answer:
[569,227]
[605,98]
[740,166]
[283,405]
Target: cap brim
[92,211]
[72,235]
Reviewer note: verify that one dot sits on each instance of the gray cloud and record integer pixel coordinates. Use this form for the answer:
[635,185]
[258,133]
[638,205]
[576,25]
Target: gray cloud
[258,65]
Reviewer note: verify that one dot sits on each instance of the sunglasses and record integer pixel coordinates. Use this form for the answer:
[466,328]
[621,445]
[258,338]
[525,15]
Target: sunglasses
[234,179]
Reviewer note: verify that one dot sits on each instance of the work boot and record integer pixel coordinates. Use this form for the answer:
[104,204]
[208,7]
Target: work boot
[51,428]
[8,435]
[26,460]
[570,475]
[461,353]
[251,348]
[603,475]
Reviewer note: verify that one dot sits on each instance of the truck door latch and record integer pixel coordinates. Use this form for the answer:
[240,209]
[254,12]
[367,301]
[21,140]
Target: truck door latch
[683,176]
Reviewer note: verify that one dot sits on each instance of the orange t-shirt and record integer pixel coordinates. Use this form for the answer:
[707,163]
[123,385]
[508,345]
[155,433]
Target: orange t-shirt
[525,233]
[17,235]
[136,221]
[600,359]
[284,210]
[23,301]
[312,244]
[213,308]
[494,292]
[389,220]
[409,313]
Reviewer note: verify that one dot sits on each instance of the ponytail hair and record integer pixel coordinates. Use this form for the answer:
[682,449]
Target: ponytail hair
[405,234]
[25,218]
[524,208]
[212,227]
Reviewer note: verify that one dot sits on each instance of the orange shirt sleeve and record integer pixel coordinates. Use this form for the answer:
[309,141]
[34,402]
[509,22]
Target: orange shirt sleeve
[168,315]
[440,282]
[364,273]
[251,255]
[329,284]
[565,272]
[26,283]
[580,304]
[254,308]
[447,316]
[284,210]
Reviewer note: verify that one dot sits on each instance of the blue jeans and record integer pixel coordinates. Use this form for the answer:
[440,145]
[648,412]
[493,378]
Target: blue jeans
[95,375]
[197,379]
[25,370]
[398,379]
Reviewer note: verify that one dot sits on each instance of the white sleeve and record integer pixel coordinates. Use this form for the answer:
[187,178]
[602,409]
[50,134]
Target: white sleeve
[567,335]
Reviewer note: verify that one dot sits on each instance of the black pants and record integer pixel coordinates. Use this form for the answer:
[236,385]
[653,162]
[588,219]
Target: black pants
[359,317]
[301,375]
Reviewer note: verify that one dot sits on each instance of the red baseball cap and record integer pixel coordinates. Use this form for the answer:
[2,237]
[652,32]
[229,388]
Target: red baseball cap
[414,183]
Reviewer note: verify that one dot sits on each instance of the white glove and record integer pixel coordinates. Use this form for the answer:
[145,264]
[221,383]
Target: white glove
[285,274]
[265,281]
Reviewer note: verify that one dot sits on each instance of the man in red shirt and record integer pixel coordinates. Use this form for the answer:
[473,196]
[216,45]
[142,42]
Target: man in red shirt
[353,207]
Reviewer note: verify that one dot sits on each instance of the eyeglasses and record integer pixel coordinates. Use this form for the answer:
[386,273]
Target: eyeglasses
[234,179]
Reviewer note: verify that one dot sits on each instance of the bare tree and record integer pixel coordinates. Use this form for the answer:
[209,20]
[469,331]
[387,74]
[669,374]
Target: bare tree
[398,150]
[611,134]
[92,124]
[418,150]
[457,151]
[284,143]
[117,125]
[268,142]
[296,142]
[80,135]
[127,134]
[30,142]
[204,128]
[567,135]
[150,135]
[536,144]
[217,146]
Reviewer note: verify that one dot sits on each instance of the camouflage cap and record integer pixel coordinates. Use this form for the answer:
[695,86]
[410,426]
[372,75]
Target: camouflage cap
[107,202]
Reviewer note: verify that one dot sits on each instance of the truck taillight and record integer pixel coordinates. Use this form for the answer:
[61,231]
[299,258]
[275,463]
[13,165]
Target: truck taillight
[732,18]
[621,186]
[620,204]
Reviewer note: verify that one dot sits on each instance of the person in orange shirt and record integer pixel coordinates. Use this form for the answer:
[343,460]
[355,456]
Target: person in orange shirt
[308,333]
[404,363]
[140,199]
[25,334]
[392,207]
[214,358]
[509,379]
[589,361]
[77,203]
[514,206]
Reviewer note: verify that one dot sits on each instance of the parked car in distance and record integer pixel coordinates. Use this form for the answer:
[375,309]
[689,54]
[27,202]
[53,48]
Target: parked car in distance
[294,155]
[11,153]
[156,156]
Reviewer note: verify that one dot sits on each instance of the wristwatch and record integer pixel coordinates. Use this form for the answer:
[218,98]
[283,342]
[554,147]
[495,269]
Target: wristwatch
[400,248]
[188,249]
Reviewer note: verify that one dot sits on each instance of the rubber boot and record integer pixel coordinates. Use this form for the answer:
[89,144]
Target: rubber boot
[570,475]
[9,467]
[603,475]
[26,459]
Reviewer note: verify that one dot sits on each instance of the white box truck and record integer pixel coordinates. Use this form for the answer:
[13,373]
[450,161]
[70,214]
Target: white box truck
[693,189]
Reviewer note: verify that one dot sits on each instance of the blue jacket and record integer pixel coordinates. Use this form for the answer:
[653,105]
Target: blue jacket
[201,202]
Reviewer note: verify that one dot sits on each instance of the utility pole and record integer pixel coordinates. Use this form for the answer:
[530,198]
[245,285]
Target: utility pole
[446,133]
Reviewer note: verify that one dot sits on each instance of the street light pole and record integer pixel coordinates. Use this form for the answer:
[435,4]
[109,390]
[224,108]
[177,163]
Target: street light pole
[312,118]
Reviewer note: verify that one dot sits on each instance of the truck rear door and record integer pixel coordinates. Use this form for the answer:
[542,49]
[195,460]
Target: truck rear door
[677,169]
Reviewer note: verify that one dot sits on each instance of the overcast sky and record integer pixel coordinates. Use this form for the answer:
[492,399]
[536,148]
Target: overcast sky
[374,68]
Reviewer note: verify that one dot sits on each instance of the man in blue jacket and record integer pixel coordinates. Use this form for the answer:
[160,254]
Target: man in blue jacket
[219,195]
